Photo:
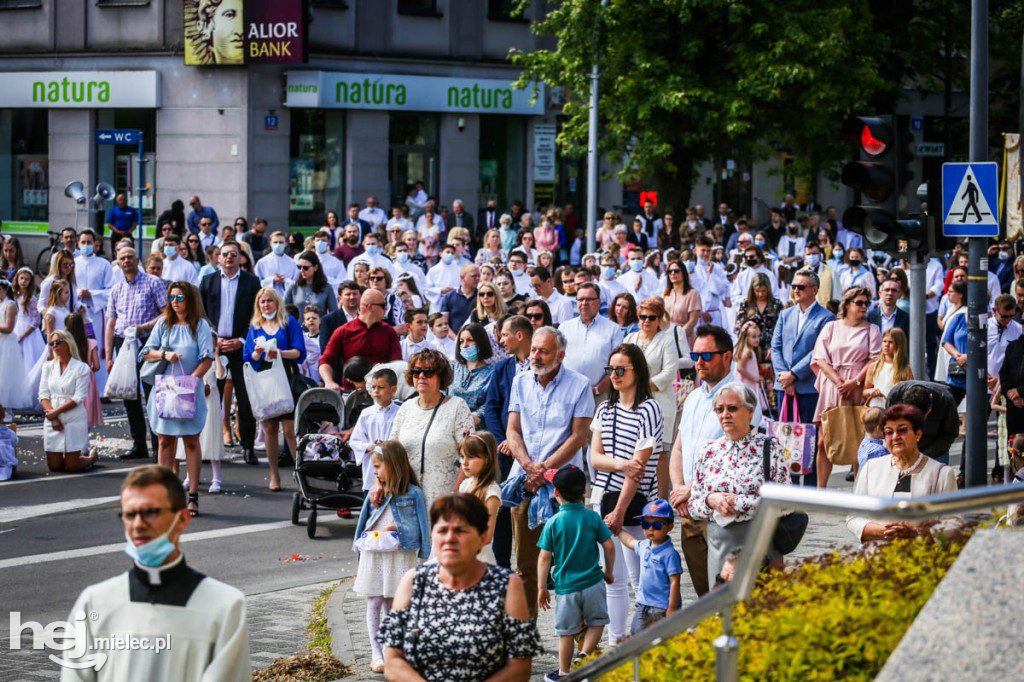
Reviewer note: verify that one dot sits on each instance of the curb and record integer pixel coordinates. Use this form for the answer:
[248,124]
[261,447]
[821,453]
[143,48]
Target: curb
[337,623]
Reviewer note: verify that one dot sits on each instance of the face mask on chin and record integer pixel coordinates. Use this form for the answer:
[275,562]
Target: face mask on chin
[154,552]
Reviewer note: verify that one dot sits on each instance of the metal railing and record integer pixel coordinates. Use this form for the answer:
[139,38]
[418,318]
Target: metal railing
[777,499]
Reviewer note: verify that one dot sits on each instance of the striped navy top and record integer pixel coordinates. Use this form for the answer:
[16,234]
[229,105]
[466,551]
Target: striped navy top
[623,432]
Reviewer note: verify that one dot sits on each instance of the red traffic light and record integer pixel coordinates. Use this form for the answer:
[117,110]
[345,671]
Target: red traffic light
[873,135]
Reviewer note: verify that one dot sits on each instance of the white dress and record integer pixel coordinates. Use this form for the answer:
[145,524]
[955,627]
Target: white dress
[884,383]
[12,365]
[493,490]
[35,372]
[452,423]
[379,573]
[33,345]
[58,388]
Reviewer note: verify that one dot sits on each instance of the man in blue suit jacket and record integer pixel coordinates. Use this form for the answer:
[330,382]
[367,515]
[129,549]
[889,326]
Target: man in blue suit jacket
[888,294]
[793,346]
[516,333]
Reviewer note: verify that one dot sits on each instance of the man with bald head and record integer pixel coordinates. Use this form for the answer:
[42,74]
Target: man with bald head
[367,336]
[461,301]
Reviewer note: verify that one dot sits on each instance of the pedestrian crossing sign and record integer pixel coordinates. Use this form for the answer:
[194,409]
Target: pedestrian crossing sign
[970,199]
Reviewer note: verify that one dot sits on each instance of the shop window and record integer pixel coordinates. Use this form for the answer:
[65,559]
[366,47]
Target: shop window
[413,153]
[24,165]
[422,8]
[502,159]
[315,166]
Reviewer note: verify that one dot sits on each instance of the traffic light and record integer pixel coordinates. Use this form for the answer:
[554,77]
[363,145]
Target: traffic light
[875,179]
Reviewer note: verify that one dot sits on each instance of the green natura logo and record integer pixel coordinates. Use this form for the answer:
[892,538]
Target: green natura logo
[480,98]
[67,90]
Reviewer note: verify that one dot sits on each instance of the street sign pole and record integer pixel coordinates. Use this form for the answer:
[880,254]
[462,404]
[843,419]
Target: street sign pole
[918,361]
[138,192]
[976,443]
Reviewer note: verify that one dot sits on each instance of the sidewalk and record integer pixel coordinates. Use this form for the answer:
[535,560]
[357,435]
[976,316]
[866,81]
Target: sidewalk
[346,610]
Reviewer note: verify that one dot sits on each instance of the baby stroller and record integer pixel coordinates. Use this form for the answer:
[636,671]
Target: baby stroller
[325,470]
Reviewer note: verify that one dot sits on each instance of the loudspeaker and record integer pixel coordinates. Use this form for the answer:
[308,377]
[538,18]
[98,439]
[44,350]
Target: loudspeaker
[73,190]
[104,192]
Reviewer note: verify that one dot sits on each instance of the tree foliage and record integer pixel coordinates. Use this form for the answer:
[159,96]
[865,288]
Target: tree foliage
[686,81]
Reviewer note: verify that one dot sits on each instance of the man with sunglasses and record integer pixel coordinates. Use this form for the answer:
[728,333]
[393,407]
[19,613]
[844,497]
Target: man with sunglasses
[199,212]
[229,297]
[367,336]
[796,332]
[698,426]
[188,626]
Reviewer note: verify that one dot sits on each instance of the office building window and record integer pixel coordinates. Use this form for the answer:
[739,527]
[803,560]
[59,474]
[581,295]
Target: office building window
[24,164]
[504,10]
[423,8]
[315,166]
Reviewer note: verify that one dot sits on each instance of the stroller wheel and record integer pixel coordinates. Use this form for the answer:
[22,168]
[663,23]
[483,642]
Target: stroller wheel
[311,523]
[296,506]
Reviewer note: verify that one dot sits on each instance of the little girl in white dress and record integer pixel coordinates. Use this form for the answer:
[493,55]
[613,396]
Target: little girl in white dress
[479,452]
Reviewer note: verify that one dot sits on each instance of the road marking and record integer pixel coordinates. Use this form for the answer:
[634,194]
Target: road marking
[67,477]
[37,510]
[108,549]
[36,428]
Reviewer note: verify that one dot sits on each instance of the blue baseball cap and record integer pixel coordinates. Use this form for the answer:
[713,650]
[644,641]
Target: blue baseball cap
[659,508]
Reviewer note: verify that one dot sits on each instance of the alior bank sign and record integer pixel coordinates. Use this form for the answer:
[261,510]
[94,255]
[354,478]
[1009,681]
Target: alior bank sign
[80,89]
[336,90]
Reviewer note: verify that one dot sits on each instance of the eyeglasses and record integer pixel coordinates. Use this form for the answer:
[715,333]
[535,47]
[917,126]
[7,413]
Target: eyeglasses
[617,371]
[148,515]
[674,271]
[239,224]
[649,525]
[376,278]
[56,342]
[193,241]
[486,294]
[426,372]
[798,287]
[535,316]
[731,409]
[706,355]
[647,318]
[167,228]
[205,224]
[861,303]
[902,431]
[229,254]
[587,299]
[177,298]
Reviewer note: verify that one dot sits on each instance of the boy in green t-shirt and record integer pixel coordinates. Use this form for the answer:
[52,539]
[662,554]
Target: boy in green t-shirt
[571,537]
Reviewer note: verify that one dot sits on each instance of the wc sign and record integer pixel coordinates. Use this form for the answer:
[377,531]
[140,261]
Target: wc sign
[73,640]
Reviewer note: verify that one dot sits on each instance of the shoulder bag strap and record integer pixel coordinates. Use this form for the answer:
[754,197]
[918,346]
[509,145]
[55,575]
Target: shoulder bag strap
[766,461]
[423,445]
[675,333]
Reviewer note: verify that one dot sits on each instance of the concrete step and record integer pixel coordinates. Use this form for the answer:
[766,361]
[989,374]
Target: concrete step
[970,628]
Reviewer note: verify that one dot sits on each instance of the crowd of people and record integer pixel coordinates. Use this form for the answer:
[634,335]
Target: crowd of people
[511,395]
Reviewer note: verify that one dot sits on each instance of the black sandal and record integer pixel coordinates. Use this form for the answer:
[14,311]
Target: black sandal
[193,498]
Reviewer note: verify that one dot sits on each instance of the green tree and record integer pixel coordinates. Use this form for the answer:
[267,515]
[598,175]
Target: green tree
[686,81]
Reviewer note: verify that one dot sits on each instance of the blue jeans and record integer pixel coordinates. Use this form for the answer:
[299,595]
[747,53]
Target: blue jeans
[644,617]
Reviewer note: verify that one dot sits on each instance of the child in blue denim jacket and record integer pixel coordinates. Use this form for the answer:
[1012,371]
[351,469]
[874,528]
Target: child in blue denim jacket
[389,537]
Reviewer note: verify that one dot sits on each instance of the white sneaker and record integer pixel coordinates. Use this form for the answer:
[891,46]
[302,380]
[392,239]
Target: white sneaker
[215,486]
[184,484]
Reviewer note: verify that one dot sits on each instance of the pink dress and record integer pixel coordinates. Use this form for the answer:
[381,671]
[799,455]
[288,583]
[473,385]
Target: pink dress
[847,349]
[750,367]
[93,407]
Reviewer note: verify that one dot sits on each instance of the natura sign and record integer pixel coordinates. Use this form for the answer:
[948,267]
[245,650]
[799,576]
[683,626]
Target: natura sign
[80,89]
[336,90]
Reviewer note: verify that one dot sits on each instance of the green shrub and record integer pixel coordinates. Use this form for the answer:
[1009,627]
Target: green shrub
[832,617]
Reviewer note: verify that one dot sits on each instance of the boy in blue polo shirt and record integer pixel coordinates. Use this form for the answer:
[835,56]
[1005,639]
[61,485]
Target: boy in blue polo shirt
[571,538]
[660,566]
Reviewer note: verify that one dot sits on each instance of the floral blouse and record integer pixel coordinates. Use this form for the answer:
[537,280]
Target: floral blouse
[737,467]
[765,320]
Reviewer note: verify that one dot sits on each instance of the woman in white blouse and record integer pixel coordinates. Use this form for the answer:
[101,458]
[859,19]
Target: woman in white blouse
[62,390]
[906,472]
[728,477]
[663,350]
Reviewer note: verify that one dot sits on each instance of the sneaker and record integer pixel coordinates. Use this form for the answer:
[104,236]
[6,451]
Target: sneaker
[215,486]
[553,676]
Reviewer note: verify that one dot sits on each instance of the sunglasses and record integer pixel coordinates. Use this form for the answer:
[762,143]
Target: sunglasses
[229,254]
[56,342]
[177,298]
[535,316]
[484,294]
[731,409]
[706,355]
[674,271]
[798,287]
[617,371]
[426,372]
[860,302]
[376,278]
[647,318]
[649,525]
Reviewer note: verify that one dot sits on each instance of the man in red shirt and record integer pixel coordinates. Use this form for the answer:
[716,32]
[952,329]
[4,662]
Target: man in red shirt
[367,336]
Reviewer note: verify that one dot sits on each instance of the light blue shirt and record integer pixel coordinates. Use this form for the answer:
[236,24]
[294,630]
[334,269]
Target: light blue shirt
[546,421]
[588,348]
[699,425]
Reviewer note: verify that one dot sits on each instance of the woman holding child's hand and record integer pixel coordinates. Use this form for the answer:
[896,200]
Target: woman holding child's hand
[625,449]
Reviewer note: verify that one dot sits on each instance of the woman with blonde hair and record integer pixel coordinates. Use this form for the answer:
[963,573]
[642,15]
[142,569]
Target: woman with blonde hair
[888,369]
[491,249]
[274,334]
[62,267]
[62,391]
[489,304]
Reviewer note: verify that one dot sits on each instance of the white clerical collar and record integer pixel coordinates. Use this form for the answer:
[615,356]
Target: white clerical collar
[154,573]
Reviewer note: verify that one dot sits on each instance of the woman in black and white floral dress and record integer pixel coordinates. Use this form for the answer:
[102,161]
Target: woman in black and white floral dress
[459,619]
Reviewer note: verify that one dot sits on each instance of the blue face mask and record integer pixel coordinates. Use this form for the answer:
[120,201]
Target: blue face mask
[837,254]
[154,552]
[448,258]
[86,250]
[759,242]
[469,353]
[813,259]
[608,271]
[636,265]
[690,265]
[170,251]
[269,316]
[402,257]
[372,249]
[321,246]
[278,248]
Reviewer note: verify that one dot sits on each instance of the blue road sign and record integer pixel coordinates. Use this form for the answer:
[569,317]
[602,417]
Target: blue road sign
[917,123]
[118,136]
[970,199]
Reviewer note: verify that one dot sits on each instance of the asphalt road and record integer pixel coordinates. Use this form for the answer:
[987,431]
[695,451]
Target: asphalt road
[60,533]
